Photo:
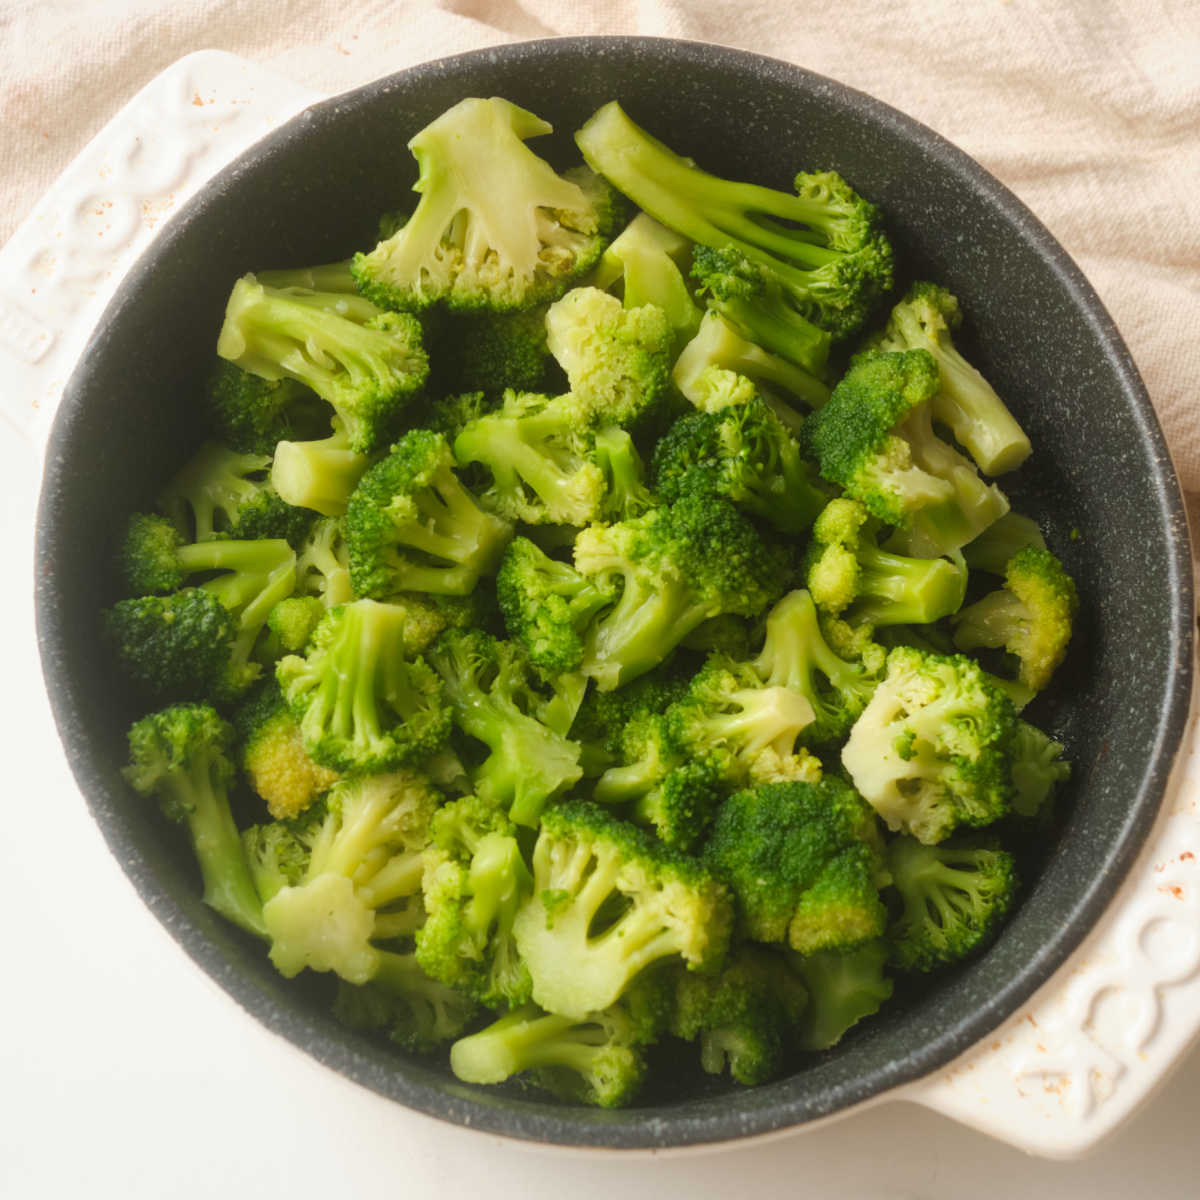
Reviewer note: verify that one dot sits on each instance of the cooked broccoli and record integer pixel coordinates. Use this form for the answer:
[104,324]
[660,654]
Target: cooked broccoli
[366,371]
[625,493]
[335,277]
[486,683]
[824,244]
[411,525]
[252,414]
[323,565]
[851,577]
[1037,770]
[319,474]
[965,401]
[495,227]
[1000,541]
[744,453]
[678,566]
[744,1018]
[362,703]
[804,861]
[361,881]
[181,756]
[290,625]
[278,852]
[1030,616]
[487,352]
[609,901]
[953,898]
[933,748]
[843,987]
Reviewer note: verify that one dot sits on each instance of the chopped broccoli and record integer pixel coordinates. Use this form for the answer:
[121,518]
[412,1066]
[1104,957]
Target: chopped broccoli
[181,756]
[411,525]
[495,227]
[953,898]
[319,474]
[993,548]
[609,901]
[323,565]
[843,987]
[625,492]
[290,625]
[1037,770]
[252,414]
[486,352]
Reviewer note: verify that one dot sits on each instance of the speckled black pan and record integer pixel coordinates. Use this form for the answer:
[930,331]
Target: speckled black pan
[1100,480]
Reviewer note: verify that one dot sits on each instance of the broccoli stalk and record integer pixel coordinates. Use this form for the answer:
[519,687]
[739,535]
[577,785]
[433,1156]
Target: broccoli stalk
[320,474]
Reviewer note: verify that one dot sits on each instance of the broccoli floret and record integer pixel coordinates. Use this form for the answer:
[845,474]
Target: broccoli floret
[1037,770]
[609,901]
[474,353]
[966,402]
[625,493]
[320,474]
[290,625]
[719,367]
[486,683]
[419,1014]
[933,748]
[367,371]
[850,576]
[252,414]
[953,899]
[361,702]
[181,756]
[323,564]
[843,987]
[996,545]
[272,753]
[744,453]
[744,1018]
[278,852]
[411,525]
[678,566]
[1031,616]
[804,860]
[361,880]
[824,244]
[495,227]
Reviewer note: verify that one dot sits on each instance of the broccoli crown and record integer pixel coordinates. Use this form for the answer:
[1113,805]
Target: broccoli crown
[953,899]
[608,901]
[1037,770]
[363,872]
[744,1017]
[272,753]
[604,717]
[291,623]
[965,401]
[181,756]
[252,414]
[849,575]
[486,683]
[361,703]
[678,566]
[843,987]
[742,452]
[803,860]
[933,748]
[617,359]
[278,854]
[495,227]
[367,371]
[411,525]
[1031,616]
[319,475]
[547,605]
[540,453]
[625,493]
[824,244]
[416,1012]
[490,351]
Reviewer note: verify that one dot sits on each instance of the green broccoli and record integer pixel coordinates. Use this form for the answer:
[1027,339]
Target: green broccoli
[843,987]
[323,564]
[321,474]
[804,861]
[362,703]
[367,371]
[933,748]
[1037,770]
[609,901]
[252,414]
[1031,616]
[953,898]
[625,493]
[495,227]
[996,545]
[181,756]
[335,278]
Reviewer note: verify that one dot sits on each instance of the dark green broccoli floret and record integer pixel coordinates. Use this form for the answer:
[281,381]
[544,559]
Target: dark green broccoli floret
[742,452]
[319,474]
[933,748]
[851,577]
[1031,616]
[609,901]
[804,860]
[487,685]
[953,899]
[253,414]
[1037,770]
[677,566]
[744,1018]
[843,987]
[965,402]
[366,370]
[362,703]
[824,244]
[181,756]
[411,525]
[495,227]
[362,880]
[473,353]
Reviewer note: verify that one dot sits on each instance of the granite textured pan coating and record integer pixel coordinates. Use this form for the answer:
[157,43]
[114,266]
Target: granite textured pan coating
[311,193]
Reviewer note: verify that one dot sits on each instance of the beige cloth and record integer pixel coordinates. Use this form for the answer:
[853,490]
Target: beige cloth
[1088,109]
